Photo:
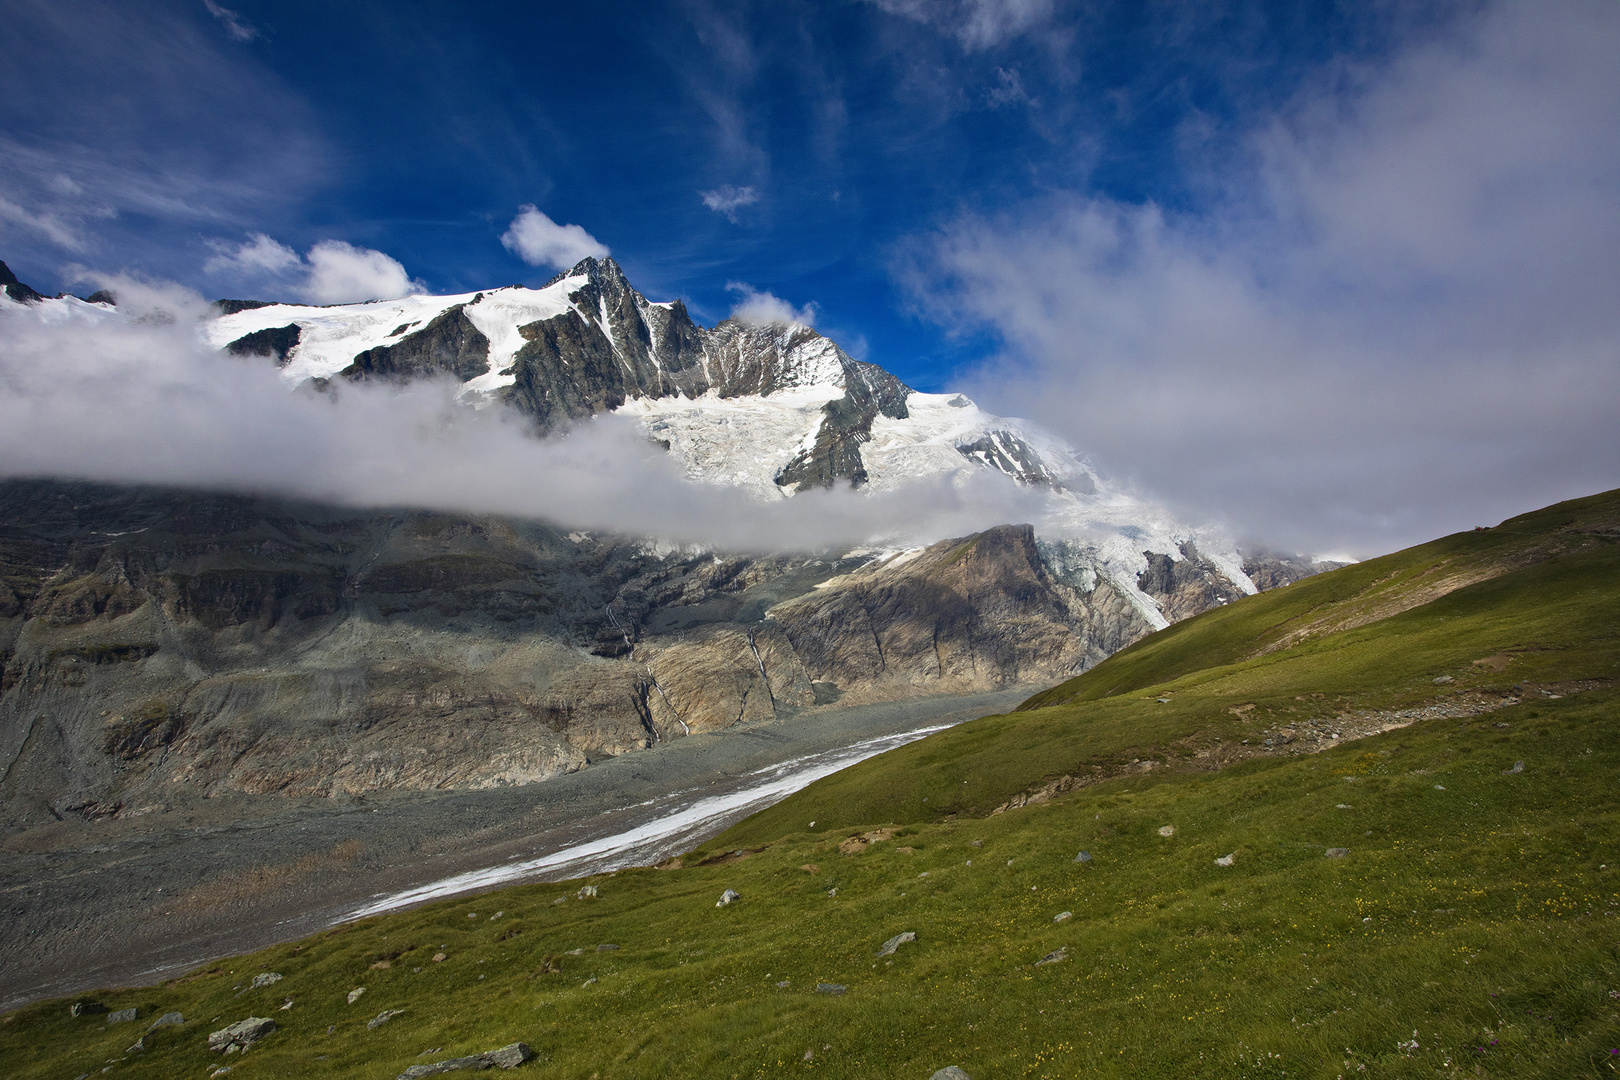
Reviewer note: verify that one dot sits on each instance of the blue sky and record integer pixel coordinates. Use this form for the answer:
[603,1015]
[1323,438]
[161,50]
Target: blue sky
[1216,245]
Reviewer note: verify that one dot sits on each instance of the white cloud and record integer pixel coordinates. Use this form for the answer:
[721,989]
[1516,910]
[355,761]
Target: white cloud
[133,395]
[236,26]
[341,273]
[1400,322]
[977,24]
[333,272]
[259,254]
[539,241]
[47,224]
[763,309]
[727,200]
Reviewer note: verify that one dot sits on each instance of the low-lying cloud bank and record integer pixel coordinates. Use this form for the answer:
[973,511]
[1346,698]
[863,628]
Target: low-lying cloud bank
[134,396]
[1397,318]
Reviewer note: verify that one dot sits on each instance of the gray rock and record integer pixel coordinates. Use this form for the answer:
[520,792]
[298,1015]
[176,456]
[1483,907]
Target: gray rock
[240,1035]
[354,995]
[87,1008]
[1518,767]
[382,1018]
[1337,852]
[585,892]
[1443,679]
[167,1020]
[1062,915]
[950,1072]
[122,1016]
[607,948]
[275,341]
[1056,956]
[1084,856]
[507,1057]
[831,988]
[1226,860]
[727,897]
[893,944]
[266,978]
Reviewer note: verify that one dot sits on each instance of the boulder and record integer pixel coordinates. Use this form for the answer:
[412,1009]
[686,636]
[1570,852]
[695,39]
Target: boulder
[1056,956]
[1226,860]
[266,978]
[727,897]
[354,995]
[1084,856]
[382,1018]
[122,1016]
[893,944]
[1062,916]
[168,1019]
[950,1072]
[87,1008]
[507,1057]
[240,1035]
[587,891]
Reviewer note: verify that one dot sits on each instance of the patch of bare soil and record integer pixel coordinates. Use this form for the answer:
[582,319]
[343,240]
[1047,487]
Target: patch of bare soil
[1201,753]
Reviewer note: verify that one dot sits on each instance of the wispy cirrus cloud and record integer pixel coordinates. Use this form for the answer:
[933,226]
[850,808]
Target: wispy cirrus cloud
[237,27]
[977,24]
[726,200]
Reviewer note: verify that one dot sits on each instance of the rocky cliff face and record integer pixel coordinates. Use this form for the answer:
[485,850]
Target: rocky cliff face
[162,646]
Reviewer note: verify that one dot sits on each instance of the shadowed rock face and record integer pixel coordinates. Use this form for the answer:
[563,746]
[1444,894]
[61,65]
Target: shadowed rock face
[159,646]
[449,345]
[275,342]
[16,289]
[1273,570]
[1186,586]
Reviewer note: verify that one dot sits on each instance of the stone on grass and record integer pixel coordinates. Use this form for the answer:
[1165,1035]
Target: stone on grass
[265,978]
[86,1008]
[1062,915]
[1056,956]
[1084,856]
[167,1020]
[240,1035]
[1337,852]
[1167,830]
[1226,860]
[382,1018]
[607,948]
[1518,767]
[507,1057]
[893,944]
[586,891]
[1441,680]
[354,995]
[950,1072]
[122,1016]
[831,988]
[727,897]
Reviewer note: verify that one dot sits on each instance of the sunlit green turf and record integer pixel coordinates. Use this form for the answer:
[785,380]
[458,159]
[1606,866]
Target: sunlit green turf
[1471,929]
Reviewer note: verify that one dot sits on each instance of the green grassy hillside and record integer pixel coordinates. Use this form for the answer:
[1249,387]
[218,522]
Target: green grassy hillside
[1466,924]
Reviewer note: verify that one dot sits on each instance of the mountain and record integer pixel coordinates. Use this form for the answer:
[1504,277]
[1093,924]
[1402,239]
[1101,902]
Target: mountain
[1363,825]
[160,646]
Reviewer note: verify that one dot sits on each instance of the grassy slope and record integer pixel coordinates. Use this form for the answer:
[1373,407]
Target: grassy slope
[1476,908]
